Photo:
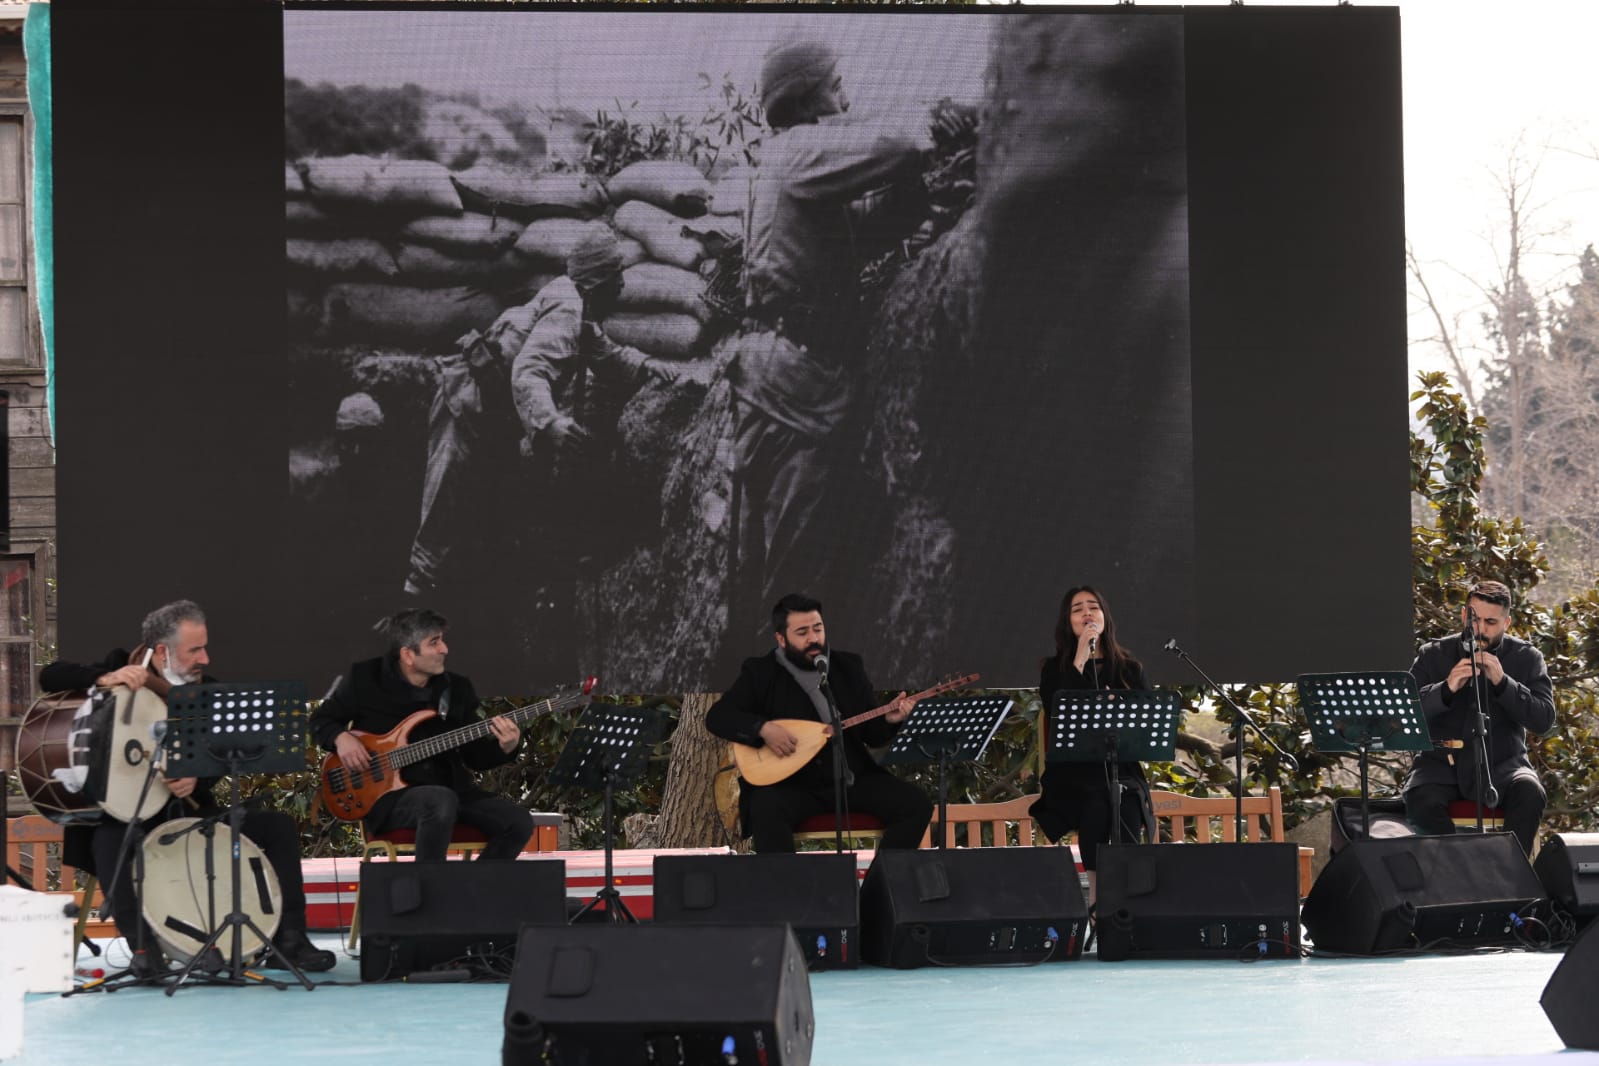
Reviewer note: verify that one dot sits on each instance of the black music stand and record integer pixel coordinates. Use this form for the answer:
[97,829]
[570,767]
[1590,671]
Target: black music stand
[1113,726]
[610,746]
[215,730]
[1364,712]
[946,731]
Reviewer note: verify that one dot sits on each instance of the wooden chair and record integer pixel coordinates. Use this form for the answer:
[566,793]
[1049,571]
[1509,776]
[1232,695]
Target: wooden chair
[988,824]
[1211,819]
[464,840]
[864,828]
[33,849]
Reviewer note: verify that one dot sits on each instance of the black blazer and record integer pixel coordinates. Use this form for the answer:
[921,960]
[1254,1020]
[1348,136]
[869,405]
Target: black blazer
[1523,700]
[766,690]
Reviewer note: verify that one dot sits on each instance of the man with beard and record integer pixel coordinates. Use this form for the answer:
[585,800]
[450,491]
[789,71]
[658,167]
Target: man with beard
[785,683]
[378,694]
[176,638]
[1515,694]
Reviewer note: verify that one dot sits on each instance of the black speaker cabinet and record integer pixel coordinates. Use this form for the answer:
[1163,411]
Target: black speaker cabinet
[1573,990]
[425,915]
[1568,867]
[615,995]
[1383,895]
[815,892]
[1198,901]
[971,907]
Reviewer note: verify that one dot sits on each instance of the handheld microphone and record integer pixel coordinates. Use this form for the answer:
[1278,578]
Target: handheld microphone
[1171,646]
[1093,643]
[820,662]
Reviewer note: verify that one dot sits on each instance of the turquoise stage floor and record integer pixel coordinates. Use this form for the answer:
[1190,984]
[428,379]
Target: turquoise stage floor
[1457,1008]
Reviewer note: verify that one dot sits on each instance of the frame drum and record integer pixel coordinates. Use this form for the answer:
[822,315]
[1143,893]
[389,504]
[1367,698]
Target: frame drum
[184,909]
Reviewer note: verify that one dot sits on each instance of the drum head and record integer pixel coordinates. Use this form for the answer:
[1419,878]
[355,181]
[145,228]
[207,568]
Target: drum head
[184,909]
[124,754]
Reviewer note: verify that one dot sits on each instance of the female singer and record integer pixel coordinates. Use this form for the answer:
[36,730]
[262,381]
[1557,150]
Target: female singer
[1076,795]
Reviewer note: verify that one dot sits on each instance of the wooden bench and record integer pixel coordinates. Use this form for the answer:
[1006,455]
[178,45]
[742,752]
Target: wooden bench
[33,849]
[1211,819]
[998,819]
[1178,818]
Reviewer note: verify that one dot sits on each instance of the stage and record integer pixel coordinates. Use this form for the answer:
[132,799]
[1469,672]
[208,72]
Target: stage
[1460,1009]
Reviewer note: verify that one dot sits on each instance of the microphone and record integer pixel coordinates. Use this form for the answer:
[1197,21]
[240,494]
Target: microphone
[333,688]
[1171,646]
[820,662]
[158,730]
[1093,643]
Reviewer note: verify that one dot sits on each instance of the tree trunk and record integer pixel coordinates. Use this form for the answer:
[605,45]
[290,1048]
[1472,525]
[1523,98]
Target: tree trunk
[690,817]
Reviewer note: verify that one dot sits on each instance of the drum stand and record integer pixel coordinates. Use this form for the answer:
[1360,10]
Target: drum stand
[132,845]
[219,727]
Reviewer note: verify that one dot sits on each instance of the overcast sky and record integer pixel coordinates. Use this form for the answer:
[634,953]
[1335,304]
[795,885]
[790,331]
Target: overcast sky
[1479,75]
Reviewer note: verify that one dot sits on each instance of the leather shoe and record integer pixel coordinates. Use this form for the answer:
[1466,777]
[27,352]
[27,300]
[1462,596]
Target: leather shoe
[296,947]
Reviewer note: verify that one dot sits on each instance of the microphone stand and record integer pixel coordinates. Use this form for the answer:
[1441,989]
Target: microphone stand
[1240,720]
[840,764]
[1483,792]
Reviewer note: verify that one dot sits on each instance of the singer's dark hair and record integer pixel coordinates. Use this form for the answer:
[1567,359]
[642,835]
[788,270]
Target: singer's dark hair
[409,628]
[1494,592]
[793,603]
[1118,660]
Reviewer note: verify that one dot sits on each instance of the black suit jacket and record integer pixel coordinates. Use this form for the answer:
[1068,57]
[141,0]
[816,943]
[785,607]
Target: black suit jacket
[1522,701]
[766,690]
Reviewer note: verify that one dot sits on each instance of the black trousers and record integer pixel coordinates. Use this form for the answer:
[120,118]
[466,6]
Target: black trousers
[433,810]
[274,832]
[1521,797]
[774,811]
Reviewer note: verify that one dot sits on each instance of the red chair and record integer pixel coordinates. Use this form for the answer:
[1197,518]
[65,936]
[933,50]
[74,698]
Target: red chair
[1464,814]
[464,839]
[867,828]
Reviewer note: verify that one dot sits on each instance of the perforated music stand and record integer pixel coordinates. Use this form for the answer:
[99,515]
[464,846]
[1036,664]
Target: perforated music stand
[1113,726]
[609,746]
[946,731]
[1364,712]
[220,729]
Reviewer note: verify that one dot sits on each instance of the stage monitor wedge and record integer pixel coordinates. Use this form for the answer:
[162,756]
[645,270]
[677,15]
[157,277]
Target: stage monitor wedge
[818,894]
[1379,895]
[1198,901]
[972,907]
[461,916]
[631,995]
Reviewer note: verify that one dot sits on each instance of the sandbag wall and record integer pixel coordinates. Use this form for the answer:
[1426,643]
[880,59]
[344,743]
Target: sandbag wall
[402,253]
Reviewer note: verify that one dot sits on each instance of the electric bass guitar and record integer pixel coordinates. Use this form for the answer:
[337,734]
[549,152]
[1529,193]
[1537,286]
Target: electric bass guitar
[349,795]
[762,766]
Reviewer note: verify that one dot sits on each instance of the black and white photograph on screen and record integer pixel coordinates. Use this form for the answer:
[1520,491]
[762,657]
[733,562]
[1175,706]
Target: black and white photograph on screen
[606,330]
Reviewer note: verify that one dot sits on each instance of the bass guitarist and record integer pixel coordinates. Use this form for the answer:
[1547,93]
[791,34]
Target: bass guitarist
[378,694]
[785,683]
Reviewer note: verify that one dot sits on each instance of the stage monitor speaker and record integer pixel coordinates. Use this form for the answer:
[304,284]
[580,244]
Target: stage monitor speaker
[613,995]
[972,907]
[1568,867]
[817,893]
[1385,895]
[1573,990]
[1198,901]
[460,916]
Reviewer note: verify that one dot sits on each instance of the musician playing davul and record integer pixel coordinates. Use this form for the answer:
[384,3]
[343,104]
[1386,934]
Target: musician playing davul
[175,636]
[377,695]
[787,684]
